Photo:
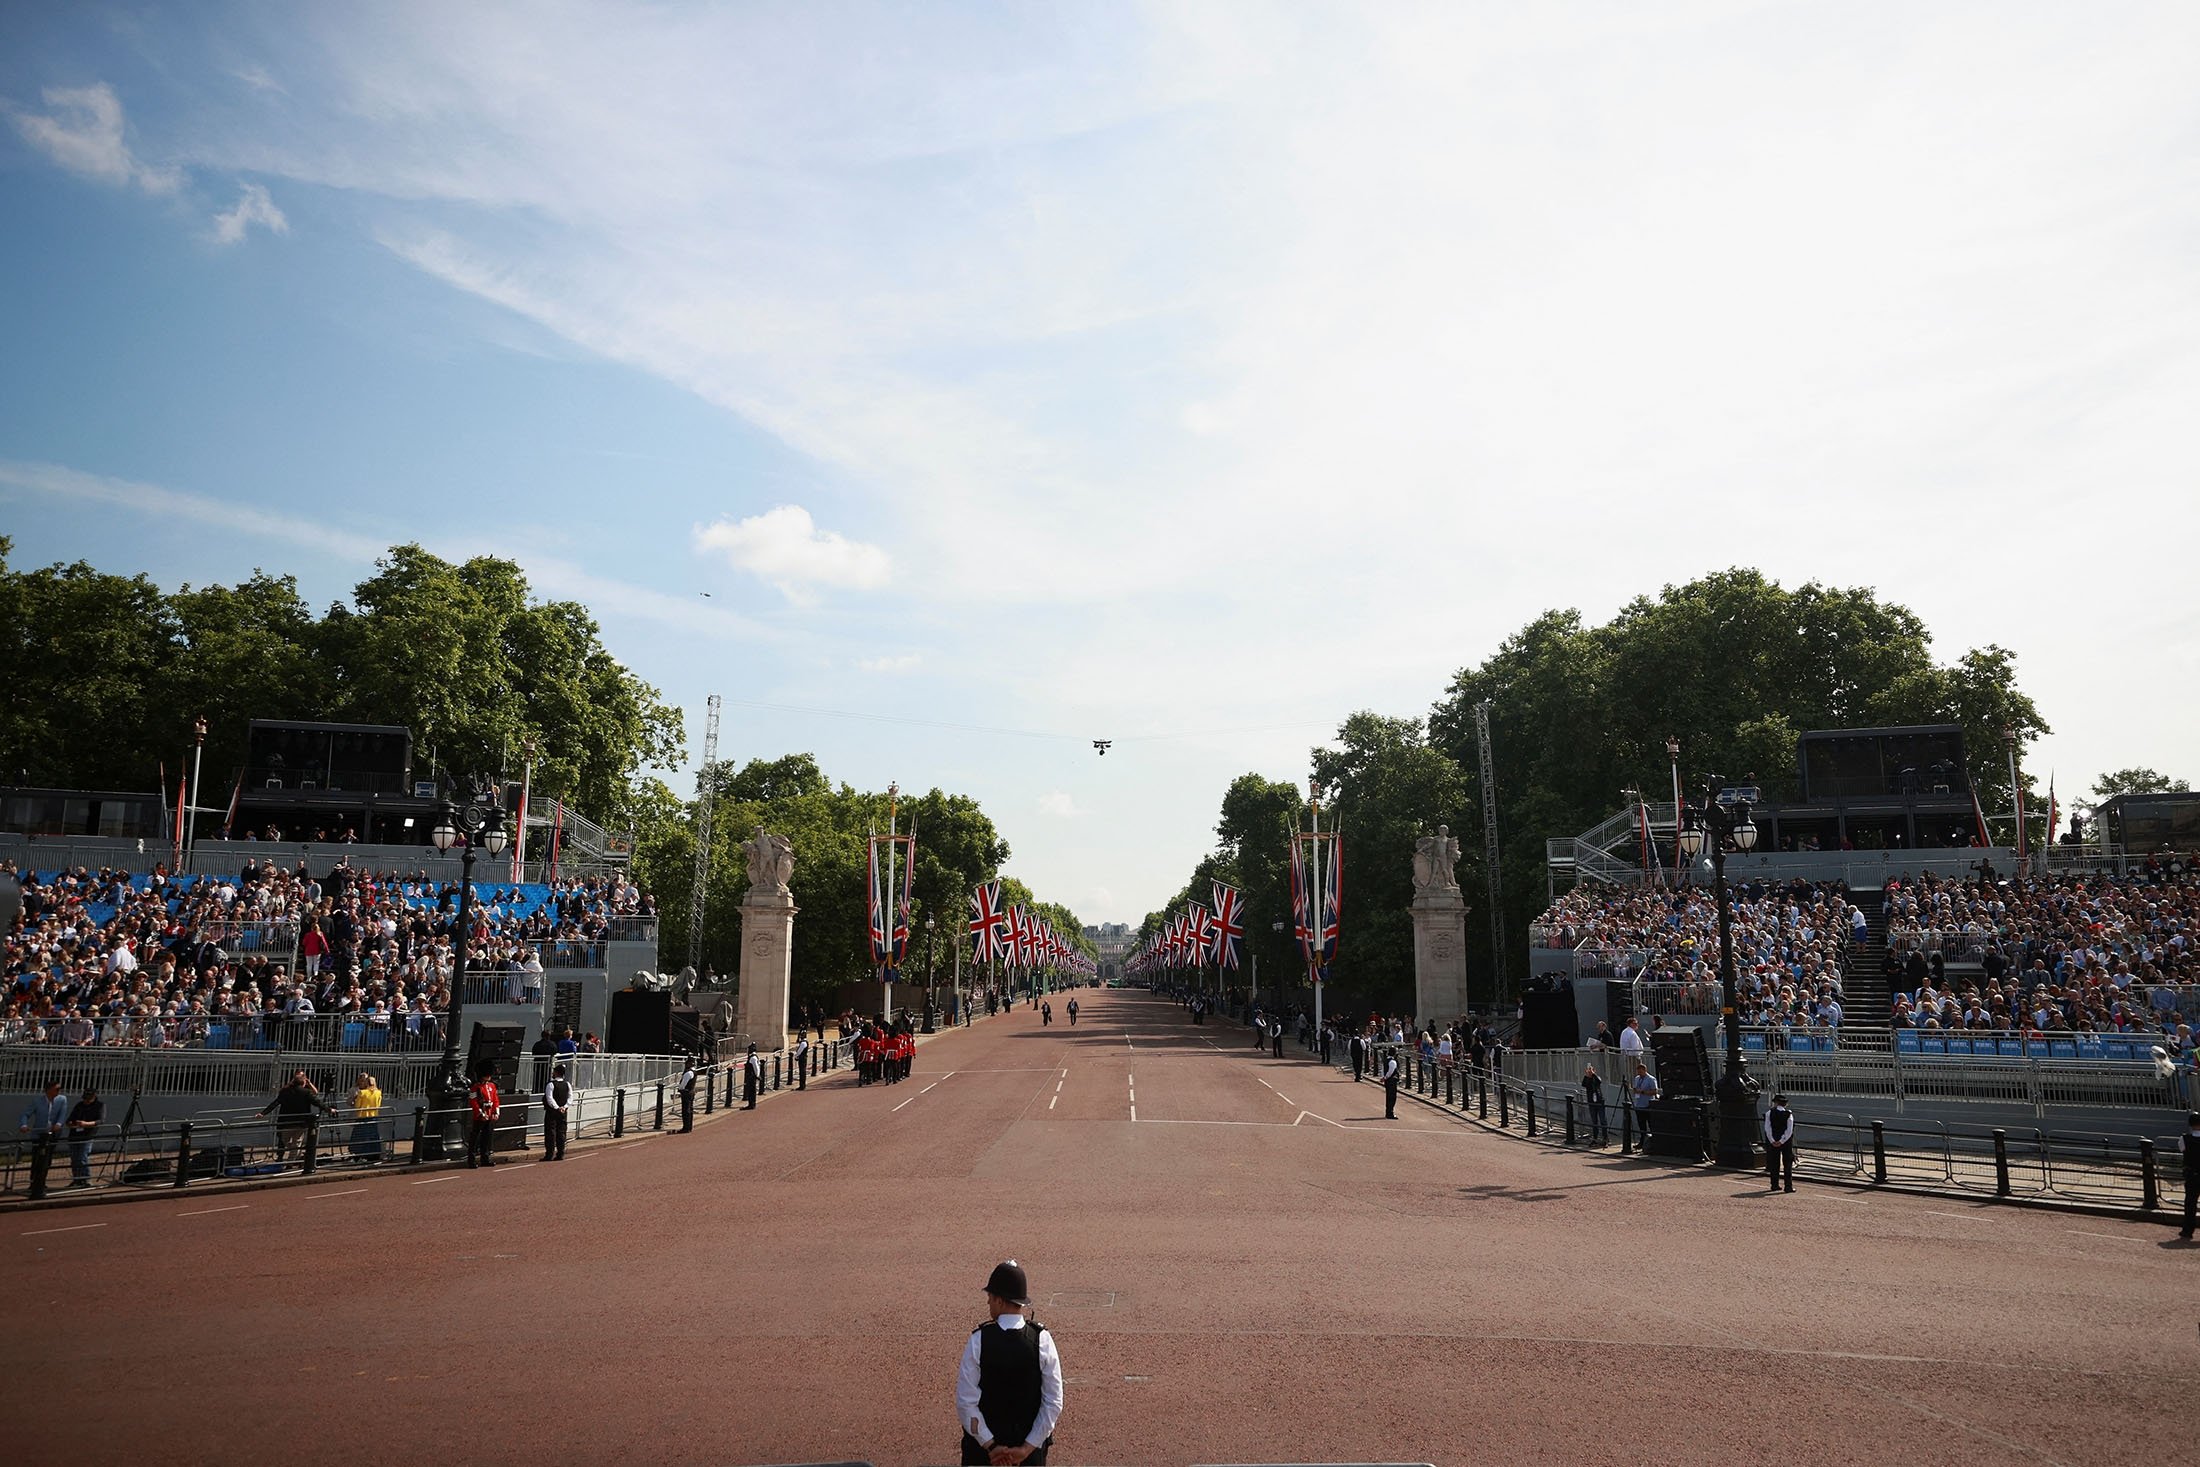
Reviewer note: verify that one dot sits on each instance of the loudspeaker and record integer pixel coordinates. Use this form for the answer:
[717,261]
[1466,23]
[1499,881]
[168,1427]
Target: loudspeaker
[640,1022]
[1547,1021]
[1683,1065]
[1679,1128]
[501,1044]
[687,1030]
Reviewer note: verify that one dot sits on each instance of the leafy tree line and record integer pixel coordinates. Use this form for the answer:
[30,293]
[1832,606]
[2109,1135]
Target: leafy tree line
[828,826]
[1733,664]
[106,674]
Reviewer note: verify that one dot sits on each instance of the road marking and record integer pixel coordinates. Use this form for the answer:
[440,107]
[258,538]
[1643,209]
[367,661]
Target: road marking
[1305,1113]
[1134,1110]
[927,1090]
[317,1196]
[1264,1082]
[2112,1237]
[898,1107]
[208,1212]
[1053,1101]
[80,1227]
[1958,1216]
[517,1166]
[1281,1096]
[431,1181]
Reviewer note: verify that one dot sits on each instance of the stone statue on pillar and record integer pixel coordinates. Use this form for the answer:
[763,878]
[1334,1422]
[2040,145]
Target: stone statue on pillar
[767,940]
[1439,930]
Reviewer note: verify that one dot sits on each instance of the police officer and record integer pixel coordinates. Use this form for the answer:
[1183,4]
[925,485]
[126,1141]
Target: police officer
[557,1104]
[1275,1032]
[1390,1084]
[1008,1391]
[2189,1145]
[752,1078]
[687,1097]
[1780,1143]
[1359,1054]
[802,1062]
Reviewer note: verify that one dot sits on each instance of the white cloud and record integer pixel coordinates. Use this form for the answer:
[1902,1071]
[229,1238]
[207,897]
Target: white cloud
[785,548]
[908,662]
[1061,804]
[253,207]
[85,134]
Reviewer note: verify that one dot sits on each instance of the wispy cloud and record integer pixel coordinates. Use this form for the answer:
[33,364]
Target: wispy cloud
[909,662]
[785,548]
[253,206]
[84,133]
[1061,805]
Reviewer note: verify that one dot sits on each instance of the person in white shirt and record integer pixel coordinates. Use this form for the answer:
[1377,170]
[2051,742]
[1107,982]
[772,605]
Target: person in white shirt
[1630,1041]
[1008,1390]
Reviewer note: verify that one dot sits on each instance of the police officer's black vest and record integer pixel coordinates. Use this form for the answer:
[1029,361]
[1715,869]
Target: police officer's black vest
[1776,1121]
[1008,1380]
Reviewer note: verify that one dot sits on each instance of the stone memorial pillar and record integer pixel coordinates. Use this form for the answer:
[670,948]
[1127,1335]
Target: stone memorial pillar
[1439,930]
[767,941]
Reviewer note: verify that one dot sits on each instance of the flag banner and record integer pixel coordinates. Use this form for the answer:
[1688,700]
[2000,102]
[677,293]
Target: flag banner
[1229,927]
[986,921]
[1333,901]
[907,899]
[1302,927]
[1978,813]
[882,953]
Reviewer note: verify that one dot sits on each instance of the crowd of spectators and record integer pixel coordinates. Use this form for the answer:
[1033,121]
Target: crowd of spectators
[104,957]
[2084,954]
[1790,941]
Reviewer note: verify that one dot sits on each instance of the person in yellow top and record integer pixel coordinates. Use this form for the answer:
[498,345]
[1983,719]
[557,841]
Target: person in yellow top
[366,1111]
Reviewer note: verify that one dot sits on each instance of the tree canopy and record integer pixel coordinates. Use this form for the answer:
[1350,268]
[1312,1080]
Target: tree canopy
[2138,780]
[828,826]
[106,672]
[1733,665]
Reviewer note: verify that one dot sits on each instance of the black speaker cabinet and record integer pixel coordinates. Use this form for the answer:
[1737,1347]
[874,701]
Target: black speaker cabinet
[501,1044]
[1678,1128]
[1547,1021]
[640,1022]
[1682,1063]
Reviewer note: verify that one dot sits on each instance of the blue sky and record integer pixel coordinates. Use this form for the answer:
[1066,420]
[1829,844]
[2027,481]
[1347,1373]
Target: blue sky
[1205,371]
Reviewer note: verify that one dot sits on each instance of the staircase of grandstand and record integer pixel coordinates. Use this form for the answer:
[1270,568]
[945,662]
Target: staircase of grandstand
[1866,994]
[1611,851]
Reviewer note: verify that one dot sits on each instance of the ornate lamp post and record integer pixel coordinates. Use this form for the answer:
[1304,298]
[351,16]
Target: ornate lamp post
[928,927]
[1720,826]
[481,827]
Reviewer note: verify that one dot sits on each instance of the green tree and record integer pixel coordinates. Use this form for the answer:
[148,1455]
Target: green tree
[2138,780]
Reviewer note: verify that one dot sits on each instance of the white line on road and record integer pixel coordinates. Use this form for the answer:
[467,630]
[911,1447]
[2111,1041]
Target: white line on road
[1305,1113]
[78,1228]
[431,1181]
[927,1090]
[208,1212]
[1282,1097]
[1134,1110]
[2112,1237]
[352,1192]
[898,1107]
[1053,1101]
[1958,1216]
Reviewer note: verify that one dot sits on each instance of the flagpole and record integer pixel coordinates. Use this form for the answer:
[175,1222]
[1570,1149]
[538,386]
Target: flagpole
[1314,914]
[887,897]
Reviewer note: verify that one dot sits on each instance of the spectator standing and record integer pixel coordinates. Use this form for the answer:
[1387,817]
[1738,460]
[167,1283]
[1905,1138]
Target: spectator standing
[366,1118]
[294,1106]
[557,1101]
[44,1120]
[2189,1146]
[1645,1088]
[1780,1143]
[1592,1091]
[1008,1390]
[84,1121]
[1630,1042]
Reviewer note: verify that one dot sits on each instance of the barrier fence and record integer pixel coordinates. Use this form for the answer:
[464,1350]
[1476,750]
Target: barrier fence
[2120,1171]
[613,1094]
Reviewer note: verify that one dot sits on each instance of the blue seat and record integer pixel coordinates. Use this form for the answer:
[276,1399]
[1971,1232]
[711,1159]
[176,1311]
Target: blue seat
[2013,1048]
[1933,1043]
[2062,1048]
[217,1036]
[1958,1044]
[1906,1041]
[2120,1049]
[1754,1042]
[2090,1048]
[355,1034]
[378,1037]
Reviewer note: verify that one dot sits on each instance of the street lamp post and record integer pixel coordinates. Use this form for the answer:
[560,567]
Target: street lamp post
[1673,753]
[928,975]
[479,826]
[1717,825]
[191,812]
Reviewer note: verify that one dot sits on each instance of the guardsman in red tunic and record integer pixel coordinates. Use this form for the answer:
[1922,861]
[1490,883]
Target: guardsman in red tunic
[482,1100]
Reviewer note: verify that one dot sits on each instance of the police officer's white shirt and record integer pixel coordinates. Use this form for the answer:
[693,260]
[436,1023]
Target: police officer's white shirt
[1786,1132]
[1390,1065]
[1050,1387]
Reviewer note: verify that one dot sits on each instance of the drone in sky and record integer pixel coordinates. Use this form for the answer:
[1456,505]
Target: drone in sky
[1101,746]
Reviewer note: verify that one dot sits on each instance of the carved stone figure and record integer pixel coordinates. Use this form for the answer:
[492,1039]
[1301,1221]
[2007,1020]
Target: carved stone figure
[771,861]
[1434,856]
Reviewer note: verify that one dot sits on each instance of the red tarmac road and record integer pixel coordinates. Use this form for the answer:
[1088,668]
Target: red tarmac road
[1256,1268]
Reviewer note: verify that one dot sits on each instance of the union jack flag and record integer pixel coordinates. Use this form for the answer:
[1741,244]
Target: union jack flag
[882,950]
[1227,934]
[1302,927]
[907,898]
[987,921]
[1019,936]
[1333,900]
[1202,925]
